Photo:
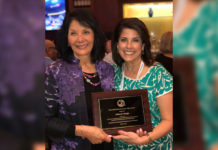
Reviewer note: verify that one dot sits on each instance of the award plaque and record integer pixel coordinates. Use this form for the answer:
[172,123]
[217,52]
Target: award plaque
[121,110]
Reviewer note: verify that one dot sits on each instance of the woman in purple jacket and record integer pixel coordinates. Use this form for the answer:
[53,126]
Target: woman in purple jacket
[70,81]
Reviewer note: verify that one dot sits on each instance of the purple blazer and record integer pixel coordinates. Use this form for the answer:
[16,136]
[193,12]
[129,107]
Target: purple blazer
[66,103]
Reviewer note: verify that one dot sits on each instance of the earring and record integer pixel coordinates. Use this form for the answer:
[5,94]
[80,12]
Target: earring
[142,52]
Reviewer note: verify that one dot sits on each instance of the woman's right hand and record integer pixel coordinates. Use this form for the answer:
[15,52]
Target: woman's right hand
[94,134]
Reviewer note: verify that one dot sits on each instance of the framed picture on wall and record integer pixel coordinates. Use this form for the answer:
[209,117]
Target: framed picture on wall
[82,3]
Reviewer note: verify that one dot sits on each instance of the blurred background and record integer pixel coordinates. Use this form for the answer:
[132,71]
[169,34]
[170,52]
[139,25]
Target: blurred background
[195,67]
[195,72]
[21,73]
[25,24]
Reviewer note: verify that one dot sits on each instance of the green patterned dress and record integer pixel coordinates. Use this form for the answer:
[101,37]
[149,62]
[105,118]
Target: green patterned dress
[199,40]
[158,82]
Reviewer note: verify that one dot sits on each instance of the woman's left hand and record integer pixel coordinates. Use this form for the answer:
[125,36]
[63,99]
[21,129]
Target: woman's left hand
[131,138]
[140,132]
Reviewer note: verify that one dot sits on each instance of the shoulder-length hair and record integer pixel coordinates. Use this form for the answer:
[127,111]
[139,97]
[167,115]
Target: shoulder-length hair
[85,19]
[166,42]
[141,29]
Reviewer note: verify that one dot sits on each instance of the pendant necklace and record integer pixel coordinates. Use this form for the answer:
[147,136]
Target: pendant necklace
[88,78]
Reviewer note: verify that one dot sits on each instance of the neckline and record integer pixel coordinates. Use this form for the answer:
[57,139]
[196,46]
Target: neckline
[139,70]
[90,73]
[149,69]
[191,20]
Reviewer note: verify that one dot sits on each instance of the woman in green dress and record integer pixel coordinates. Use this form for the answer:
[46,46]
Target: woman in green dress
[135,69]
[195,36]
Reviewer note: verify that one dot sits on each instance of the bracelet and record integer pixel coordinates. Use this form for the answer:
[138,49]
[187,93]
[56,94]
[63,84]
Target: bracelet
[149,137]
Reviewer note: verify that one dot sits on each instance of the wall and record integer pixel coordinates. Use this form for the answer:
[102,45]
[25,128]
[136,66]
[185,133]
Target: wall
[108,13]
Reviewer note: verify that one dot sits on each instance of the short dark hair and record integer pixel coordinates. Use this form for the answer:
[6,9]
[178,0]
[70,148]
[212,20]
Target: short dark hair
[141,29]
[86,19]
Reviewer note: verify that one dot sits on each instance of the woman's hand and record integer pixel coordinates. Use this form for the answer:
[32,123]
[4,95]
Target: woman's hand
[94,134]
[140,132]
[132,138]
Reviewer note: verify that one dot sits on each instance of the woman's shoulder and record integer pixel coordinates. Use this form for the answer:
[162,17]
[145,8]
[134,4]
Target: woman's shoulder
[104,65]
[55,66]
[116,68]
[158,68]
[104,68]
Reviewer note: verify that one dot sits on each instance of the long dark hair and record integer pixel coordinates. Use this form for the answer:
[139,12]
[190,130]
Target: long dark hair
[141,29]
[86,19]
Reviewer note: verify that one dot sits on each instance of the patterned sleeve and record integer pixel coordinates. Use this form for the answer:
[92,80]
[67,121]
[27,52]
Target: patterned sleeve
[164,81]
[210,116]
[117,76]
[214,38]
[56,128]
[115,67]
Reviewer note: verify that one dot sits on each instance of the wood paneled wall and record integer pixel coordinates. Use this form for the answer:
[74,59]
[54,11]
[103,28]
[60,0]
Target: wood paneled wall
[107,12]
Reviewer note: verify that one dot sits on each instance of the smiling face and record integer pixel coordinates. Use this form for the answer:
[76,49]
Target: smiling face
[80,39]
[130,45]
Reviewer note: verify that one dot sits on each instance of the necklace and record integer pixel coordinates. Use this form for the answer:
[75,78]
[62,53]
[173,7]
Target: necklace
[88,78]
[90,75]
[137,77]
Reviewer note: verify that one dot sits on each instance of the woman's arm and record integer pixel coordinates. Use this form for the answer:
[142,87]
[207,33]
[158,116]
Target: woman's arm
[165,104]
[56,128]
[94,134]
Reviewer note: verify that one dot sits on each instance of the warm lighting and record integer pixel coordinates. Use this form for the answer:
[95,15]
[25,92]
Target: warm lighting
[160,9]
